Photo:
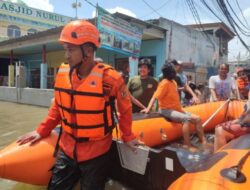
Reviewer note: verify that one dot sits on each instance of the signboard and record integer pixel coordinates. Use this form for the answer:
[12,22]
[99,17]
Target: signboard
[118,34]
[22,11]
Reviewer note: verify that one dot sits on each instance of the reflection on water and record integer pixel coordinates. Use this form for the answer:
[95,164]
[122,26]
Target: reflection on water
[15,121]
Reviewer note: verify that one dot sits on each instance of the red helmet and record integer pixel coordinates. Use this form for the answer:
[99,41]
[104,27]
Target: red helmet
[79,32]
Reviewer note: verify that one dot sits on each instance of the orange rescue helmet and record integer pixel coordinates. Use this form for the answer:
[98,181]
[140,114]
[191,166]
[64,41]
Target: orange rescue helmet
[79,32]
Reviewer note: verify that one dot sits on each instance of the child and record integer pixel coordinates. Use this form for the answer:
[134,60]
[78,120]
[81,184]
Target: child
[170,106]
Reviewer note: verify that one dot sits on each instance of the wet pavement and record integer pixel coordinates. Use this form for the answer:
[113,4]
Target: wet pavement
[15,121]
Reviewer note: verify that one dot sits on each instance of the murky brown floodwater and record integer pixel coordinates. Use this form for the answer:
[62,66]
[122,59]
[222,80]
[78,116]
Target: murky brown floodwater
[16,120]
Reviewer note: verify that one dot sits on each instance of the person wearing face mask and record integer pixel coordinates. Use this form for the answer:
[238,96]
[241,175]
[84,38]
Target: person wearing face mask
[85,91]
[170,105]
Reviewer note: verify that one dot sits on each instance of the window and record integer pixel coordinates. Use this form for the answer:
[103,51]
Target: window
[31,31]
[14,31]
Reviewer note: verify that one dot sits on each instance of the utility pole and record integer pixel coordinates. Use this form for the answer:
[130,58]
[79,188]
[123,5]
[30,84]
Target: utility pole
[170,41]
[75,6]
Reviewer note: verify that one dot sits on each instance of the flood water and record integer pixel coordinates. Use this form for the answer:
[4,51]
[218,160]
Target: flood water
[15,121]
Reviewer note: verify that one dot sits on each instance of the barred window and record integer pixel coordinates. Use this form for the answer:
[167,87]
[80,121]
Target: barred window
[14,31]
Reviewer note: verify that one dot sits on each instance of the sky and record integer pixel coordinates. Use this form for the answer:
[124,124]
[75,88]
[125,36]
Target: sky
[176,10]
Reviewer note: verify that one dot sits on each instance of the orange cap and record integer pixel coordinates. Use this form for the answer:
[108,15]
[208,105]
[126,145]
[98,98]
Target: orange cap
[79,32]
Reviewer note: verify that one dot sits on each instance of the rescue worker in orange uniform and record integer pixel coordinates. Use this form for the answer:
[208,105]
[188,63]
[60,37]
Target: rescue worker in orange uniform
[85,91]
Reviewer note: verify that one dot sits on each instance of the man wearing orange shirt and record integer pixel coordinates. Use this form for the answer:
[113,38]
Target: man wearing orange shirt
[85,91]
[170,105]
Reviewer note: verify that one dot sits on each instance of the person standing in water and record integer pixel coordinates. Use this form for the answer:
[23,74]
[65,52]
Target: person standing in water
[85,91]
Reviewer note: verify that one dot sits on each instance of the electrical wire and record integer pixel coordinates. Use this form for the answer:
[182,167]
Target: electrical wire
[234,26]
[246,27]
[87,1]
[232,23]
[196,16]
[152,8]
[160,7]
[237,3]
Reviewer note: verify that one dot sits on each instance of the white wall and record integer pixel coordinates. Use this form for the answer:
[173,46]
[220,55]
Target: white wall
[190,45]
[32,96]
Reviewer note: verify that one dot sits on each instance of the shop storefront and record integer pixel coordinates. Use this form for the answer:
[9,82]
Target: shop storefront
[39,55]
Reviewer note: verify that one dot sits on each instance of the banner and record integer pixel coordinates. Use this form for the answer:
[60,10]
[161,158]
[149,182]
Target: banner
[23,13]
[118,35]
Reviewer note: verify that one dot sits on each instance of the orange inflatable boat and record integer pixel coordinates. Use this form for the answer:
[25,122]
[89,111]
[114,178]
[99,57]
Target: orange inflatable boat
[227,169]
[154,130]
[32,164]
[29,164]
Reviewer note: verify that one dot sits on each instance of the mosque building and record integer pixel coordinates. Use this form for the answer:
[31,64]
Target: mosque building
[17,19]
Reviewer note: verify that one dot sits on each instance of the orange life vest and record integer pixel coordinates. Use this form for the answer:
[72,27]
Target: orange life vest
[92,110]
